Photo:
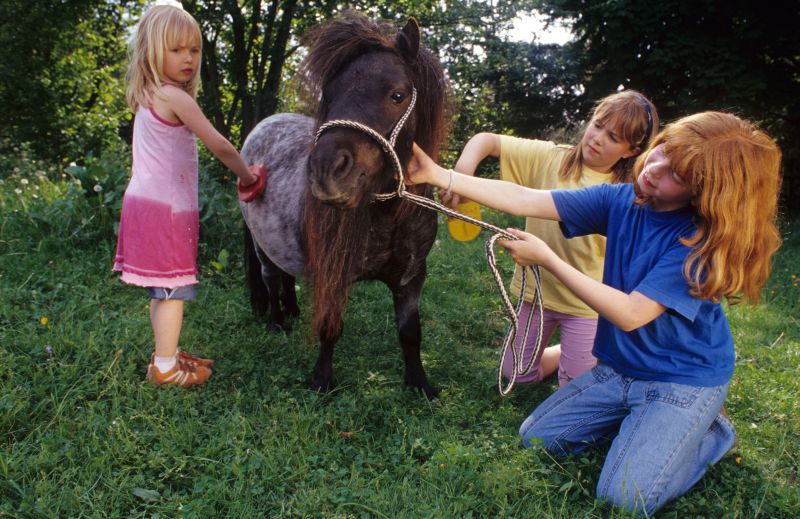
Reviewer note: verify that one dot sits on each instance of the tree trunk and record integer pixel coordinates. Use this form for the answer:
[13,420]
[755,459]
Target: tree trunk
[269,96]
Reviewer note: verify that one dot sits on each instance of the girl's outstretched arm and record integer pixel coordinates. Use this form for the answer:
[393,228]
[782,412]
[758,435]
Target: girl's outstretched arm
[626,311]
[187,110]
[504,196]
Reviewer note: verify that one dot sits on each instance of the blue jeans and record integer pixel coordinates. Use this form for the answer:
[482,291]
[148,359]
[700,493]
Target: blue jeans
[663,435]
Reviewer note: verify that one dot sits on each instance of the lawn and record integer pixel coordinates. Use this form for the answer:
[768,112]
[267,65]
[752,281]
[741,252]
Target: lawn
[84,436]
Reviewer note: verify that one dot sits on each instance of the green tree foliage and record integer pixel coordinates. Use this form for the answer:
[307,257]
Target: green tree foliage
[501,85]
[694,55]
[245,48]
[61,74]
[251,48]
[536,87]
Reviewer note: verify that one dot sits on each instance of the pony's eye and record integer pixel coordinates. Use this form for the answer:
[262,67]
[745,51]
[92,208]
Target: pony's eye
[397,97]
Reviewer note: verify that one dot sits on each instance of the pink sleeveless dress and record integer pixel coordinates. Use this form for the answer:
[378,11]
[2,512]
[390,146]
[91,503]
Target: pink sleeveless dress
[158,229]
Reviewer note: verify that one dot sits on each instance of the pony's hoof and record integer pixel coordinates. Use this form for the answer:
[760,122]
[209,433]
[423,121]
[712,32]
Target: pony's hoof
[322,386]
[278,328]
[430,392]
[292,311]
[427,390]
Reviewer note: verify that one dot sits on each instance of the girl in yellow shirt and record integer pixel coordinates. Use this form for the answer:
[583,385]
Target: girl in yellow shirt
[619,129]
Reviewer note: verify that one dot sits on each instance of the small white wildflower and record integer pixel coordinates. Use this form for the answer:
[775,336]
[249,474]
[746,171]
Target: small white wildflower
[2,181]
[72,164]
[23,181]
[18,191]
[97,188]
[16,169]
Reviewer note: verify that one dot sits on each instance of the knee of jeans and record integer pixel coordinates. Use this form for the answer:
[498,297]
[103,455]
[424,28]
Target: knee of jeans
[626,496]
[533,437]
[529,435]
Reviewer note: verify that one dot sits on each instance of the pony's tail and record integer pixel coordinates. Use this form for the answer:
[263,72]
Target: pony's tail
[259,294]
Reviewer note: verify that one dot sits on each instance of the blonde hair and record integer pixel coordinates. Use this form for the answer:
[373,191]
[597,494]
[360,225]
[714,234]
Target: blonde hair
[733,171]
[162,27]
[636,120]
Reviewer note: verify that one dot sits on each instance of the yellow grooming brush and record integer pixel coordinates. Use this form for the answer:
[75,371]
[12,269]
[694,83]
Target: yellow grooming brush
[461,230]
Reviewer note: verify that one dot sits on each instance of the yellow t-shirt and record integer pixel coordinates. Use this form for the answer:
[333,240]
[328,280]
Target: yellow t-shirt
[536,164]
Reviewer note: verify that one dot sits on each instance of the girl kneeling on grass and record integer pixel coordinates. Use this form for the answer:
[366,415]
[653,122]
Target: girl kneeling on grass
[158,231]
[699,224]
[619,129]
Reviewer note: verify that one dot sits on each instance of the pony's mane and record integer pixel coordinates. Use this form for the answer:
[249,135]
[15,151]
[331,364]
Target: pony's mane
[336,240]
[334,44]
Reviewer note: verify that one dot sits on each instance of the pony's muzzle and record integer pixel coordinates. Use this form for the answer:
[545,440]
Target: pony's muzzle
[340,170]
[324,195]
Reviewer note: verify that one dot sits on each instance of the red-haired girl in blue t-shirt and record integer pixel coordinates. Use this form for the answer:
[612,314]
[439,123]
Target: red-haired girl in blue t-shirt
[698,225]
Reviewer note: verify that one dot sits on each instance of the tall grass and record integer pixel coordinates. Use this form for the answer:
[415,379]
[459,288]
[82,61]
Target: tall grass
[83,435]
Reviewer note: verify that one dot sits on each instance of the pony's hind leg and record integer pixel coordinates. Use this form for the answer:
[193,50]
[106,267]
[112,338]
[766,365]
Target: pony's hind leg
[257,289]
[273,277]
[406,312]
[264,280]
[289,295]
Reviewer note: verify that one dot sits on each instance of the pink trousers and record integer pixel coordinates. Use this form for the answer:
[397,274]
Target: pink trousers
[577,340]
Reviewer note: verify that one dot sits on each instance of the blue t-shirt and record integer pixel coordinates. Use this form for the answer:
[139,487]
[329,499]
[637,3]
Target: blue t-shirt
[691,342]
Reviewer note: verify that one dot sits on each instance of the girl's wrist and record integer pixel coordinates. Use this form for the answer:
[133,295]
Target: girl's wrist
[444,178]
[447,190]
[551,260]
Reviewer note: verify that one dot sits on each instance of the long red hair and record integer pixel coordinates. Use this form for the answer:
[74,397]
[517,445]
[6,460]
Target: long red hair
[733,169]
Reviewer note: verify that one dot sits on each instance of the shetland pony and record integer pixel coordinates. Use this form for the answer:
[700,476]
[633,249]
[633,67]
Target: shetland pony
[318,218]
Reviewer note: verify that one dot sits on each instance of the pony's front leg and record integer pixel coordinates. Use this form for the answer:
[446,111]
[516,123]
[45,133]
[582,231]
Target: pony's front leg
[322,378]
[406,314]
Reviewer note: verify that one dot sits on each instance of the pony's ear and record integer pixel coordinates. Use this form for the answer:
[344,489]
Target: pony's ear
[407,41]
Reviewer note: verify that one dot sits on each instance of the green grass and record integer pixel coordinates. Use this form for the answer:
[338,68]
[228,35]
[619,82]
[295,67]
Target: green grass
[84,436]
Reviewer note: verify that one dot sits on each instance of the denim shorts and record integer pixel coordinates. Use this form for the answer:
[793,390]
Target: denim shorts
[184,293]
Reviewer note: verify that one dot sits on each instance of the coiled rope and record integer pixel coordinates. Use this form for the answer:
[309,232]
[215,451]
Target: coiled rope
[513,313]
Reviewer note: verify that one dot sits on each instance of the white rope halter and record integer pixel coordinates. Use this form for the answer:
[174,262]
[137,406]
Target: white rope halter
[401,192]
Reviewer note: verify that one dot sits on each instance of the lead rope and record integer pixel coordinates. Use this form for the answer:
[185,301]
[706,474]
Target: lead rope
[401,192]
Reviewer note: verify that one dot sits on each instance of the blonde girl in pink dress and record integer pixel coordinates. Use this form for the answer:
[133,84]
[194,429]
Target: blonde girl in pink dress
[158,232]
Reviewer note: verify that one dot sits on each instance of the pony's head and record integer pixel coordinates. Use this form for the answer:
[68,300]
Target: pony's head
[362,71]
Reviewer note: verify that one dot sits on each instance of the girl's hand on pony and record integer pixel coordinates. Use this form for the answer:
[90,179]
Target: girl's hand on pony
[527,249]
[420,168]
[253,189]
